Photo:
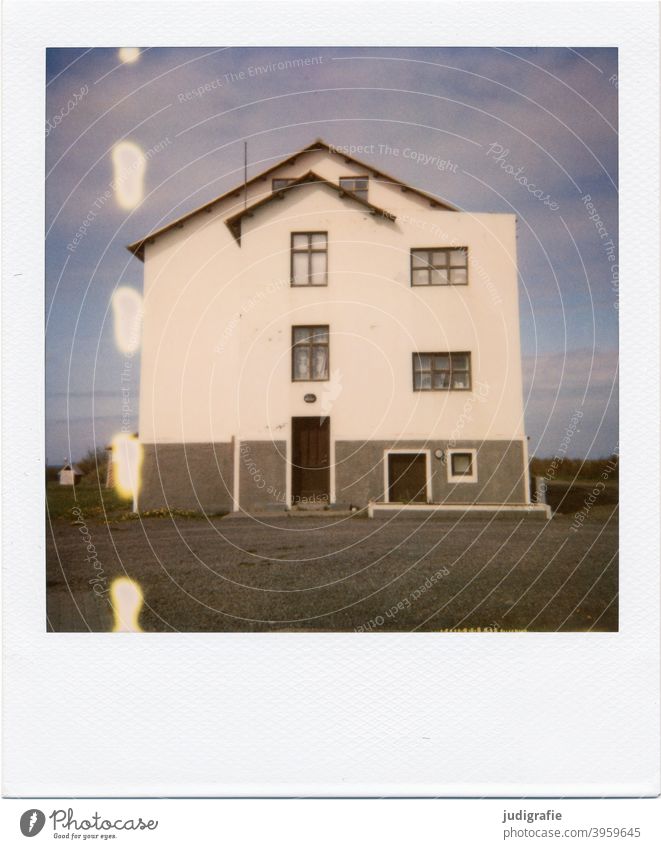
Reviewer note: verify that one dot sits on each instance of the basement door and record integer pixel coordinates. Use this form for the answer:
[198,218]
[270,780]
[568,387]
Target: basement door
[310,475]
[407,478]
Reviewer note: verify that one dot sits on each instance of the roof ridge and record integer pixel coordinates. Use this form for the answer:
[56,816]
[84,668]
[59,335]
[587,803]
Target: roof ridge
[137,247]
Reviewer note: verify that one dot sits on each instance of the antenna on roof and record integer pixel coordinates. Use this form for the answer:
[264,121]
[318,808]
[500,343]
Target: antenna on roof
[245,174]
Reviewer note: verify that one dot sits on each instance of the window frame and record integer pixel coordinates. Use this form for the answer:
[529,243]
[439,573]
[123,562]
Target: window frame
[430,268]
[458,478]
[309,251]
[386,478]
[358,192]
[449,354]
[310,345]
[290,180]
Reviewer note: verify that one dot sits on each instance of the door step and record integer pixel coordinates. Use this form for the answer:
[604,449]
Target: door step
[474,510]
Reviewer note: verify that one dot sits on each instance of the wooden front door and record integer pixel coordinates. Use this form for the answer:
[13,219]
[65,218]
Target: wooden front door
[407,477]
[310,477]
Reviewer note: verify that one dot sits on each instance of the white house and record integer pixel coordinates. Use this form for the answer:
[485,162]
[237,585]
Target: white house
[326,334]
[69,475]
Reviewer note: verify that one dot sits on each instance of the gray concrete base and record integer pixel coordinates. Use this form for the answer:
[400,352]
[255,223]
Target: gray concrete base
[195,476]
[201,476]
[501,471]
[263,475]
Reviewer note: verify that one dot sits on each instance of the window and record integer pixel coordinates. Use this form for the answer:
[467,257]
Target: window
[309,259]
[310,353]
[357,185]
[441,371]
[462,465]
[439,266]
[282,183]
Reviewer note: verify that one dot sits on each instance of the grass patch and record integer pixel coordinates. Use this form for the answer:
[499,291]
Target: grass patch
[93,502]
[101,504]
[172,513]
[572,496]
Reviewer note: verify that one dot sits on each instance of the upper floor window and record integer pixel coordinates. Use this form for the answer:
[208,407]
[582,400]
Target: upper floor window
[436,371]
[309,259]
[357,185]
[439,266]
[282,183]
[310,352]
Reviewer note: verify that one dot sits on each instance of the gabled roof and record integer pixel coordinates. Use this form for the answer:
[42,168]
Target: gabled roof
[310,178]
[137,248]
[67,467]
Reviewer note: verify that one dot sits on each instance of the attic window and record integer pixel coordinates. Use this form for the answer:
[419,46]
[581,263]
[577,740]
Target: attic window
[357,185]
[282,183]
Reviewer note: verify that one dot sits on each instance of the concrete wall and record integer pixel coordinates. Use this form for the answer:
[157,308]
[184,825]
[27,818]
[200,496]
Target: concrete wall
[263,475]
[359,472]
[189,477]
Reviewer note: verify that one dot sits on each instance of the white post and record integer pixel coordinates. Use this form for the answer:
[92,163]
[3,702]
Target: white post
[236,474]
[526,471]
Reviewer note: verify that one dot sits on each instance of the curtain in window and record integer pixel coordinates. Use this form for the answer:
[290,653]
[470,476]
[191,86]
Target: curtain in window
[320,363]
[300,269]
[318,269]
[301,362]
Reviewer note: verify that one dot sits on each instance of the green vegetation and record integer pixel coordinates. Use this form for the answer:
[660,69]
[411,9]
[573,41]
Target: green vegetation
[94,466]
[93,501]
[566,469]
[98,504]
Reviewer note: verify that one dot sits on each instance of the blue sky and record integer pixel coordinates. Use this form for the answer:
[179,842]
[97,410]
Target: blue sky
[497,114]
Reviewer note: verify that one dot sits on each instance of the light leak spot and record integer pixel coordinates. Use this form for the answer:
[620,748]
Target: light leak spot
[127,463]
[126,599]
[128,55]
[129,164]
[127,316]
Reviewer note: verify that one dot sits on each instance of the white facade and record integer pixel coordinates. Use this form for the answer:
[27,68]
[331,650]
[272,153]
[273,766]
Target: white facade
[219,312]
[69,475]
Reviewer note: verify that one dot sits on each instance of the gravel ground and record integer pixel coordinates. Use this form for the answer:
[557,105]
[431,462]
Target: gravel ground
[317,573]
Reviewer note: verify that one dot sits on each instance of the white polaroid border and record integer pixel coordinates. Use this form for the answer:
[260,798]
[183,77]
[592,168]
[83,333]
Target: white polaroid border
[422,714]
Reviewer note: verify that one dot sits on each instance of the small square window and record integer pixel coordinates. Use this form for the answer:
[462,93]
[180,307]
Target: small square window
[462,465]
[280,183]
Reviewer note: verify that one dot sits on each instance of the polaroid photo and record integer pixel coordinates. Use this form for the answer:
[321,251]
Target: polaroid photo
[319,483]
